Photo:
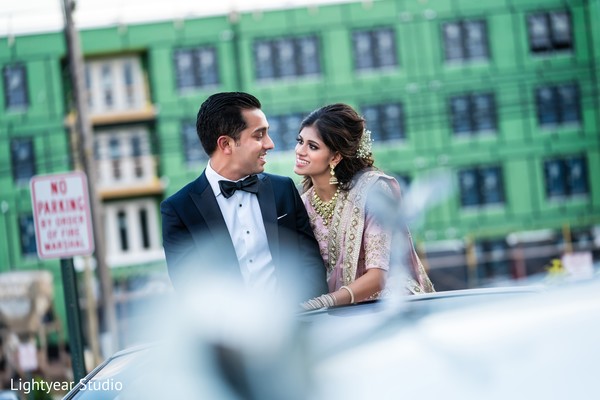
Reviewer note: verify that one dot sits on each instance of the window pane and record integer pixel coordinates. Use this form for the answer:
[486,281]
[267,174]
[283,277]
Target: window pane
[392,125]
[561,30]
[385,47]
[484,112]
[129,84]
[547,106]
[122,224]
[539,33]
[469,192]
[491,186]
[15,86]
[144,228]
[285,65]
[184,69]
[276,131]
[453,42]
[265,62]
[494,262]
[136,146]
[291,124]
[27,230]
[372,116]
[207,67]
[555,178]
[569,101]
[23,160]
[461,120]
[309,56]
[107,85]
[192,148]
[114,148]
[475,39]
[363,56]
[577,175]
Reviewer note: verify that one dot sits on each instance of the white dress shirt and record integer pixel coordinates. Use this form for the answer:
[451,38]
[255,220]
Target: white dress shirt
[247,230]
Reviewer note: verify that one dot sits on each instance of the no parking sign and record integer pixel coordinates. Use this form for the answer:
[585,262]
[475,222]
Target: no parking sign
[62,217]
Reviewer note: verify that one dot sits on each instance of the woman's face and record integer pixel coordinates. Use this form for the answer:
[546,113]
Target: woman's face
[312,156]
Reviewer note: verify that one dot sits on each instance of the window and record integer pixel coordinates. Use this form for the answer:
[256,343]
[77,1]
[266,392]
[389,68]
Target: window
[374,49]
[115,84]
[23,160]
[465,41]
[566,177]
[283,129]
[107,86]
[124,156]
[549,32]
[493,260]
[15,87]
[132,231]
[287,57]
[481,186]
[192,148]
[385,121]
[129,81]
[27,230]
[558,105]
[196,68]
[473,113]
[143,218]
[114,145]
[123,239]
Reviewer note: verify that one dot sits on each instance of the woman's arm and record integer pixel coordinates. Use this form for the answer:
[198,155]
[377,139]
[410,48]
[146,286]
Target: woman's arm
[372,282]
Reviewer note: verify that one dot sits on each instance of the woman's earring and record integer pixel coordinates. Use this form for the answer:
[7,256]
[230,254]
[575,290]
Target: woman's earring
[333,180]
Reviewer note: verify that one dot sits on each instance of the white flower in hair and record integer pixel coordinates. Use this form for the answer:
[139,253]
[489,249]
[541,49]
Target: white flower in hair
[365,145]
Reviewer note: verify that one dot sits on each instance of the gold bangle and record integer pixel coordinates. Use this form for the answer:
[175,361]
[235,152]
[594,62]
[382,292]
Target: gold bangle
[351,293]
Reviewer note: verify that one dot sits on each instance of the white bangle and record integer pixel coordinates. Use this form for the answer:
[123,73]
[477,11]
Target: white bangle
[351,293]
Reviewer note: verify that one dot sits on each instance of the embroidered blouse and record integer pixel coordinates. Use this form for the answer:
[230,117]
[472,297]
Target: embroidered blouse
[355,240]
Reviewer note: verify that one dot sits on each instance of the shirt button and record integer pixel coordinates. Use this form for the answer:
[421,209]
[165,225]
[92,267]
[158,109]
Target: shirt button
[250,260]
[240,205]
[248,232]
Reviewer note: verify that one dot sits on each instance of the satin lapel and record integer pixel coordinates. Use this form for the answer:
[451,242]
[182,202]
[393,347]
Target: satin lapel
[207,205]
[266,200]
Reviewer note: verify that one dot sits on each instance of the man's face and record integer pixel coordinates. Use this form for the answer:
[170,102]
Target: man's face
[249,152]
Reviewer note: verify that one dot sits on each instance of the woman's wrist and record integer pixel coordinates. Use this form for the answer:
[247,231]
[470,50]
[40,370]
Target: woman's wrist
[349,291]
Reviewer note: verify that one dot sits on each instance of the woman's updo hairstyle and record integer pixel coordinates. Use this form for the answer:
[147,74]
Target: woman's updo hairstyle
[342,130]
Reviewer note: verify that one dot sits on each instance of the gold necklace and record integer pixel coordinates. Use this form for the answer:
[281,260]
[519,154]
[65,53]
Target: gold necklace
[324,208]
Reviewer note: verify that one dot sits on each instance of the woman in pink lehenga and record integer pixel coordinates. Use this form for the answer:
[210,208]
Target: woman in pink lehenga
[341,191]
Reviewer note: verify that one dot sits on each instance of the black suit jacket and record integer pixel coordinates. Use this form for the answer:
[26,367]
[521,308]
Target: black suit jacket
[197,243]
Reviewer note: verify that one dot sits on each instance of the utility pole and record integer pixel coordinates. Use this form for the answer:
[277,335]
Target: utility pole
[86,142]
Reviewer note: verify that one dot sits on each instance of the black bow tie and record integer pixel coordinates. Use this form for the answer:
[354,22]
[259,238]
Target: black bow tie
[228,188]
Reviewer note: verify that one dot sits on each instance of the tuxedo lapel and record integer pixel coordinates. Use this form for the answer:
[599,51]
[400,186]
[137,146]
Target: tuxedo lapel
[266,200]
[206,204]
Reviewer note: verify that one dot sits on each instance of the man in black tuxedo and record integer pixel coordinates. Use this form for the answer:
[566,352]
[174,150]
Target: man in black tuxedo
[235,220]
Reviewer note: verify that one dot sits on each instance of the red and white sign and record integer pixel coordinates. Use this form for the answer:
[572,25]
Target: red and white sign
[62,217]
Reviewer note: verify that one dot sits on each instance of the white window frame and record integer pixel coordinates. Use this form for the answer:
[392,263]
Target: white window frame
[124,97]
[136,253]
[126,161]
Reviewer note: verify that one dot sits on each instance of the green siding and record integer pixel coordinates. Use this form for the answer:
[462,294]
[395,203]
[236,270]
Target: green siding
[422,81]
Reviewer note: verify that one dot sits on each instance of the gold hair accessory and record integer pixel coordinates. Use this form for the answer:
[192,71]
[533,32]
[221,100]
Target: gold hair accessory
[333,180]
[365,145]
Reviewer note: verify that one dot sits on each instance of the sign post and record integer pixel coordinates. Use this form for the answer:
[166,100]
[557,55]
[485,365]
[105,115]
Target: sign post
[63,229]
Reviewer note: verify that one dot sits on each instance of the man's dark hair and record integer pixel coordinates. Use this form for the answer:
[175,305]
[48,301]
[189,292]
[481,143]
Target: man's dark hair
[221,114]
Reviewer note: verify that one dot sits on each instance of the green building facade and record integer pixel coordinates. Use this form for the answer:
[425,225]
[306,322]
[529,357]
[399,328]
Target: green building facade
[503,95]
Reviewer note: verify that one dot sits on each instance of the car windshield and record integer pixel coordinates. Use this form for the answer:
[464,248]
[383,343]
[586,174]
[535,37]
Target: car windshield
[112,377]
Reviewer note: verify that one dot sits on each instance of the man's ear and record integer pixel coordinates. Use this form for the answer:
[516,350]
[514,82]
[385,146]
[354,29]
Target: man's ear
[224,144]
